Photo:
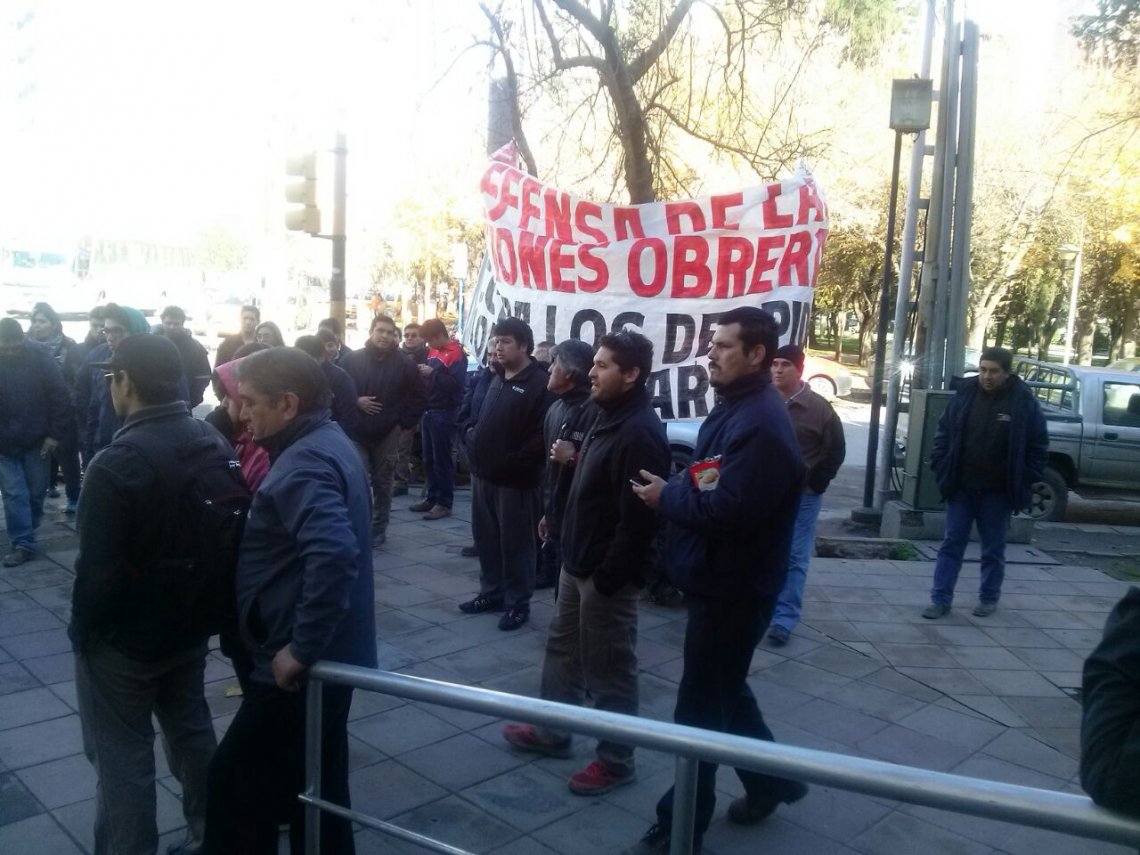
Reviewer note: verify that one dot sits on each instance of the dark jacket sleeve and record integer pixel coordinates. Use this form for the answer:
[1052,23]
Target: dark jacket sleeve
[103,524]
[345,411]
[57,399]
[197,370]
[754,479]
[81,398]
[413,396]
[327,546]
[1037,450]
[836,444]
[1110,724]
[637,522]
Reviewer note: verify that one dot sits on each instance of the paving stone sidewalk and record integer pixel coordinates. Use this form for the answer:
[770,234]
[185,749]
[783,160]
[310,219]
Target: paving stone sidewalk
[863,675]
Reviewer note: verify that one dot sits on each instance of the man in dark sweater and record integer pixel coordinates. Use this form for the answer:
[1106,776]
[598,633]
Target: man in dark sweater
[505,446]
[565,424]
[390,399]
[195,359]
[731,514]
[989,448]
[606,532]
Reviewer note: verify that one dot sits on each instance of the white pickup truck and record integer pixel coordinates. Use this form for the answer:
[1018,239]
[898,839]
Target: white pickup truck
[1093,416]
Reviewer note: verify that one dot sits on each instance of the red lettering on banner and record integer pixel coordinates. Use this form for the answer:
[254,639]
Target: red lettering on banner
[734,257]
[506,274]
[691,258]
[627,221]
[558,263]
[489,186]
[720,206]
[589,209]
[773,219]
[675,210]
[529,210]
[590,261]
[532,260]
[810,201]
[637,283]
[820,240]
[507,198]
[764,262]
[799,248]
[558,215]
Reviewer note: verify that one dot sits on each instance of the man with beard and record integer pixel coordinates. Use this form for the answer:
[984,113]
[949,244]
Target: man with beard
[606,537]
[34,401]
[195,360]
[390,400]
[731,514]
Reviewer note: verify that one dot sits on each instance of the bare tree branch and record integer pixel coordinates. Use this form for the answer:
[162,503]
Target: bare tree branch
[652,53]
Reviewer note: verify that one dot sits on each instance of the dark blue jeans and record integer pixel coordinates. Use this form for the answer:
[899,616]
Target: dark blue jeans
[714,694]
[438,430]
[990,510]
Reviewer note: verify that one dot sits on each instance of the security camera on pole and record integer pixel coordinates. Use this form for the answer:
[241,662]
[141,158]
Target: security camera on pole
[307,218]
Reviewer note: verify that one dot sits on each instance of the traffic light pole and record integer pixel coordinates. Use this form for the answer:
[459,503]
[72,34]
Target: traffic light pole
[336,281]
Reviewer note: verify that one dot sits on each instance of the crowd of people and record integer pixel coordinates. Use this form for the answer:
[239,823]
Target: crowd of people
[285,489]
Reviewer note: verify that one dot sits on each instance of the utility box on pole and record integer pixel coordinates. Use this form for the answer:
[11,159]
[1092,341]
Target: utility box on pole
[919,487]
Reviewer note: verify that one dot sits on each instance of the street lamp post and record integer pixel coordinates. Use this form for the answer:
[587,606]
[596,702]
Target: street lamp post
[910,113]
[1070,256]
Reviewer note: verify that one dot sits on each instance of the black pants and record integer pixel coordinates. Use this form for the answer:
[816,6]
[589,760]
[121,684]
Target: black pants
[259,769]
[714,694]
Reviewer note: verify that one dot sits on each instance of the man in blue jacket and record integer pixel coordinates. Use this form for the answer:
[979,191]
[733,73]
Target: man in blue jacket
[35,414]
[731,515]
[990,446]
[304,593]
[445,377]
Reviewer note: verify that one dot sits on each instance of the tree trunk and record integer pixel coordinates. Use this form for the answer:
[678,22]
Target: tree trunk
[1085,332]
[837,334]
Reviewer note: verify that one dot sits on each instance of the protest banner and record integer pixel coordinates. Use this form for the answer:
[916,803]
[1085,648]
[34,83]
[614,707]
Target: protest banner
[572,268]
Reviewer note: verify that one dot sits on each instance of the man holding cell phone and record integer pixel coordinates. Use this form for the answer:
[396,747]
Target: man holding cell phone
[606,536]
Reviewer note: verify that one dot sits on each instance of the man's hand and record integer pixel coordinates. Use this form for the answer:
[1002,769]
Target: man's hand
[562,451]
[369,405]
[48,447]
[425,370]
[651,492]
[287,671]
[543,531]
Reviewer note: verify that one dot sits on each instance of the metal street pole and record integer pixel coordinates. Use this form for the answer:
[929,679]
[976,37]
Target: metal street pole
[881,334]
[336,280]
[1073,292]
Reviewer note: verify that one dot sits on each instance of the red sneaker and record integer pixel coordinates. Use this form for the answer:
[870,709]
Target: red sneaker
[596,779]
[526,737]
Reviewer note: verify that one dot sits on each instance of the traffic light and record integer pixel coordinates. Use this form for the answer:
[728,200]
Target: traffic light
[303,192]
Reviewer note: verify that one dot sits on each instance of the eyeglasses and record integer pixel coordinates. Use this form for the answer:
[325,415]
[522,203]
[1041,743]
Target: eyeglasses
[114,332]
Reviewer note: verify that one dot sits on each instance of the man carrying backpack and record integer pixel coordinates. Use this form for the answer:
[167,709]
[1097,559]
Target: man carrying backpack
[139,623]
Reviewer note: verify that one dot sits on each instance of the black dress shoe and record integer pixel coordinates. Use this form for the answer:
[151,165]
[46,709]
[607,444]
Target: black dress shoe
[747,811]
[515,617]
[469,551]
[481,604]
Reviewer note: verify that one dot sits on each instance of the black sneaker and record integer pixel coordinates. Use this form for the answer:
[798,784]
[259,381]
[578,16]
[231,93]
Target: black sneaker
[481,604]
[469,551]
[421,507]
[658,841]
[515,617]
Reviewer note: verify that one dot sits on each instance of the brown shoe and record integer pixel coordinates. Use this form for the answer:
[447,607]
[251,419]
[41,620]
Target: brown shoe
[421,506]
[437,513]
[17,556]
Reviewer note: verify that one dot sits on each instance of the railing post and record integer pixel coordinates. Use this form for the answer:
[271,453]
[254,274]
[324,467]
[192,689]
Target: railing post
[684,805]
[313,713]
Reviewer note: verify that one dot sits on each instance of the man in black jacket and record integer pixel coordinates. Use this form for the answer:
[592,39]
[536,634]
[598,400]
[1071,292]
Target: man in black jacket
[566,420]
[505,446]
[195,359]
[731,514]
[135,653]
[606,535]
[391,399]
[36,415]
[990,446]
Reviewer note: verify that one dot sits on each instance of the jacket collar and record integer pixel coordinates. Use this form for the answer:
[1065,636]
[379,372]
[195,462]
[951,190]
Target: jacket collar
[158,411]
[743,386]
[275,443]
[621,407]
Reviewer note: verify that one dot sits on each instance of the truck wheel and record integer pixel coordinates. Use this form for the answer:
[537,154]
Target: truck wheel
[1050,497]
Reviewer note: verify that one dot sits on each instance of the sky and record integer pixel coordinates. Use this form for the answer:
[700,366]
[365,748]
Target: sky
[158,119]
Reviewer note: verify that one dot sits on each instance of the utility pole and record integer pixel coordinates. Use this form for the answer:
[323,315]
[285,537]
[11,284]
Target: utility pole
[336,281]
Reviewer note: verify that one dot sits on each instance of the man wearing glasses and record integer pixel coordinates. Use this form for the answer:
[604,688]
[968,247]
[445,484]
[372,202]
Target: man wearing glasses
[94,409]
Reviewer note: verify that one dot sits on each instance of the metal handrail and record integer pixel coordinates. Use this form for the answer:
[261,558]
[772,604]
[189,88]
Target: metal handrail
[1048,809]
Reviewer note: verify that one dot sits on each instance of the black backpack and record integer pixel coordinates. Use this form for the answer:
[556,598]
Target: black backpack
[191,585]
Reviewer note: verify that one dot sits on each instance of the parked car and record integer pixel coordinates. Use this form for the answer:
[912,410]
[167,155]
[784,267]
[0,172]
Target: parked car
[1093,416]
[1132,363]
[827,377]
